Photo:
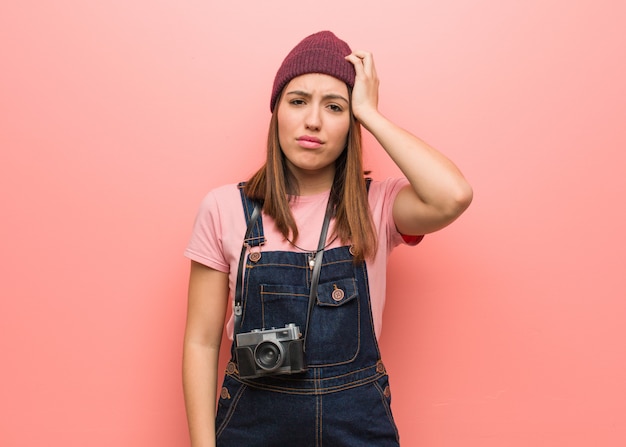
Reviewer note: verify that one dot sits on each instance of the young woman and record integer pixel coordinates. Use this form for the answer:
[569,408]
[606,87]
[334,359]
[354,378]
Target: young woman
[307,270]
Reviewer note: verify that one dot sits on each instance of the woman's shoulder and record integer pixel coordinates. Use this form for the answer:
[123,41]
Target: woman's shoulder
[380,189]
[224,192]
[222,197]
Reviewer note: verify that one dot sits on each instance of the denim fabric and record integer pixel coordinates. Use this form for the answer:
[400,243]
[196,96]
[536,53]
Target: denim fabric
[343,398]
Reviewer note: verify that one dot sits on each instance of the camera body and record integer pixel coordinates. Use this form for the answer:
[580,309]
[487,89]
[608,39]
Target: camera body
[263,352]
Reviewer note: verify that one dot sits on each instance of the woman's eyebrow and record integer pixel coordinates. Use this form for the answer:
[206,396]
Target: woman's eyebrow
[334,96]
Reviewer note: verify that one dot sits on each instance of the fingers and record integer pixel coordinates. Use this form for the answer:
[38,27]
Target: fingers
[362,61]
[364,98]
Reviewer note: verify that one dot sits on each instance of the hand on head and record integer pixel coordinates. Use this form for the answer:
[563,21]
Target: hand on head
[365,91]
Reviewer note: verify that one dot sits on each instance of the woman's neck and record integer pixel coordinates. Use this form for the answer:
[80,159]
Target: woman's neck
[311,183]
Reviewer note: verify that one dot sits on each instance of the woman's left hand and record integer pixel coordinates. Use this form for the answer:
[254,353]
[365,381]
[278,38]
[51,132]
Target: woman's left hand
[438,193]
[365,91]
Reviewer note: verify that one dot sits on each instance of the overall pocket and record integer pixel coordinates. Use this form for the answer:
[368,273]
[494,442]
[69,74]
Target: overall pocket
[334,336]
[282,304]
[334,329]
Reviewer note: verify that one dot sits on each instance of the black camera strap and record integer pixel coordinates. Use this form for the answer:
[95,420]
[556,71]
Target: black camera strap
[317,267]
[237,310]
[315,275]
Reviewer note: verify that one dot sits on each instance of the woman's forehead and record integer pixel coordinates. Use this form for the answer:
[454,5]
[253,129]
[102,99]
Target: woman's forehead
[317,83]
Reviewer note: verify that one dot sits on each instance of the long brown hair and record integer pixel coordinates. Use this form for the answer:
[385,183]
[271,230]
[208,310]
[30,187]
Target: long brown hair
[273,183]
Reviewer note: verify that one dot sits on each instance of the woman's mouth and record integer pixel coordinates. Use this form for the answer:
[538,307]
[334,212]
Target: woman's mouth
[309,142]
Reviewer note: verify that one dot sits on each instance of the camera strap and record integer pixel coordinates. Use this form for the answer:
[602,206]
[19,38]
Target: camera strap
[315,275]
[317,266]
[237,310]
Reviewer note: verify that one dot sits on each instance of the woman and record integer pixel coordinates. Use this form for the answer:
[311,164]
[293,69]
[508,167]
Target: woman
[309,295]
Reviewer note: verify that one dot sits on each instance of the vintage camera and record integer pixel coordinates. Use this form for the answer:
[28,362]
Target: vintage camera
[262,352]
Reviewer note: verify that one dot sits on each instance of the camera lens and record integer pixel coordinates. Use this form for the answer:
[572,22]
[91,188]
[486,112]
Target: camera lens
[268,355]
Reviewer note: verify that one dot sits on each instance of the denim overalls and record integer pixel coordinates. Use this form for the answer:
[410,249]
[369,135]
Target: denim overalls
[343,398]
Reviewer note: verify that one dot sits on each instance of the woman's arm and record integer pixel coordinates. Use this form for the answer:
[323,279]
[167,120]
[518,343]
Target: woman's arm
[438,192]
[207,302]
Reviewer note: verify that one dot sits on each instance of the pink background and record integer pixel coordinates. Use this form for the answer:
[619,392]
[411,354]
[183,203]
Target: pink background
[116,117]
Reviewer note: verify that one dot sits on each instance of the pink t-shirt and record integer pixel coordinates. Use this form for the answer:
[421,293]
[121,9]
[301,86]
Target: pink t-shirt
[220,227]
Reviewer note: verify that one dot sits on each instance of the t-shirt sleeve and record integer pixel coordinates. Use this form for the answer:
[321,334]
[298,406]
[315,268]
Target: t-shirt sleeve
[206,244]
[412,240]
[388,193]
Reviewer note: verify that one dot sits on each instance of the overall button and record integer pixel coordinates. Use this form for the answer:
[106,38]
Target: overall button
[337,294]
[224,394]
[387,392]
[231,368]
[380,368]
[255,256]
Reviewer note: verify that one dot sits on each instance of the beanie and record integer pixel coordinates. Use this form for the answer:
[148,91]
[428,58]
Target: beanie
[321,52]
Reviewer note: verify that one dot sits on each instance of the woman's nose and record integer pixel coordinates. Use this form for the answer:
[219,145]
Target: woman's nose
[313,119]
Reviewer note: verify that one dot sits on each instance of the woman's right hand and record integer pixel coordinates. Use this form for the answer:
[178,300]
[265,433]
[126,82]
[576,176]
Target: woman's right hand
[206,311]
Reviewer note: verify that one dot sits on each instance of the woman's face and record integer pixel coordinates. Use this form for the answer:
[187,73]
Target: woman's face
[313,122]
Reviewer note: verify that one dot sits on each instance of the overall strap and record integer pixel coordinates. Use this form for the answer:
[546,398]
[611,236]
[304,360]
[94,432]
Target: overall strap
[256,236]
[253,238]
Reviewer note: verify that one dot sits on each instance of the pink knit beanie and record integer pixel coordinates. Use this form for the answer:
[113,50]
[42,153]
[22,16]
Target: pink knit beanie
[321,52]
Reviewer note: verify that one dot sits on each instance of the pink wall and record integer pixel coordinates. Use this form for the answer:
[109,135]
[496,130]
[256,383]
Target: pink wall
[507,329]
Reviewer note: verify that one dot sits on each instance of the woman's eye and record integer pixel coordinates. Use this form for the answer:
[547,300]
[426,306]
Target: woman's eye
[335,107]
[296,102]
